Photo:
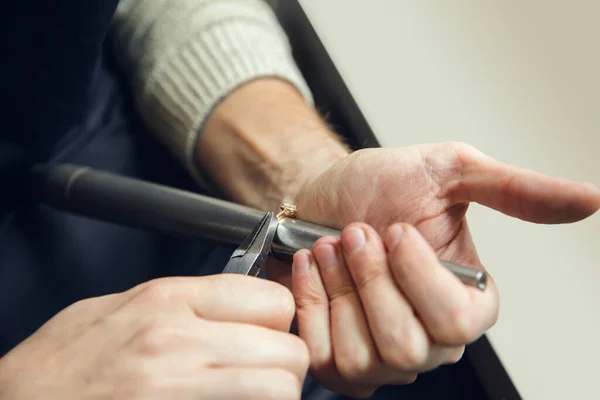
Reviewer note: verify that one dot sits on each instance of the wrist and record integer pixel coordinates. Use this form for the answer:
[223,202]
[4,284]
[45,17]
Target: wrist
[263,143]
[295,174]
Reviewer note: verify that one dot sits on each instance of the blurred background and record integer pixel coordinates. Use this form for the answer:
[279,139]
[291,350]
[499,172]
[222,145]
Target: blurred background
[520,80]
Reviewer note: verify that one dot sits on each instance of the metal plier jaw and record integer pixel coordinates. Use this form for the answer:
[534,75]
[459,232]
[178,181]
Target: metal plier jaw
[251,256]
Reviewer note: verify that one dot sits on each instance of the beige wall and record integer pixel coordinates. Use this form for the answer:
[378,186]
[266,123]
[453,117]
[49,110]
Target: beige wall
[519,80]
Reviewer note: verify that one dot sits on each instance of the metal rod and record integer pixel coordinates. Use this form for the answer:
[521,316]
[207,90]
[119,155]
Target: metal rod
[146,205]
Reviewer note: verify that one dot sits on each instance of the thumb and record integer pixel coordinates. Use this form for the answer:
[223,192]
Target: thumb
[522,193]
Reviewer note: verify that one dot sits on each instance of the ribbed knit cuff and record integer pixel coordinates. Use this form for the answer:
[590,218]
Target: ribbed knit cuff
[183,91]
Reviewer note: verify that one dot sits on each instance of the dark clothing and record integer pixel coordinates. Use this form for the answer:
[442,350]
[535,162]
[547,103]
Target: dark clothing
[63,101]
[48,73]
[66,104]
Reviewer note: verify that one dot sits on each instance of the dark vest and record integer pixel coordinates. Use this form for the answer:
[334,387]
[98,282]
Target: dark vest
[62,100]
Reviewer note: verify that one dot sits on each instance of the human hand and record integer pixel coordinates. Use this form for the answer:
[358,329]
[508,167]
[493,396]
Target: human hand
[263,145]
[430,187]
[219,337]
[376,312]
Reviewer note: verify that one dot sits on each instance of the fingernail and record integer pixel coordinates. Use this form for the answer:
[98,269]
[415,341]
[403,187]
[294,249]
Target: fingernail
[326,256]
[393,236]
[353,239]
[301,263]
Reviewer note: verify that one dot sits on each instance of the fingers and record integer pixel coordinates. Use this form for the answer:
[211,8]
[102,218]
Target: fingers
[401,339]
[312,312]
[360,326]
[243,345]
[314,326]
[354,350]
[356,355]
[185,379]
[215,344]
[521,193]
[453,313]
[227,297]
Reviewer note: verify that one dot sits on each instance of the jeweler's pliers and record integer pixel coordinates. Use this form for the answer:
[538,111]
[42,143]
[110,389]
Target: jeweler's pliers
[251,256]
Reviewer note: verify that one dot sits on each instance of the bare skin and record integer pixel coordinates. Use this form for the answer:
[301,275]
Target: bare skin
[174,338]
[372,299]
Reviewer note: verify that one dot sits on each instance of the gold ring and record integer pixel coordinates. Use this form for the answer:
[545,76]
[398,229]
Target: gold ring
[288,210]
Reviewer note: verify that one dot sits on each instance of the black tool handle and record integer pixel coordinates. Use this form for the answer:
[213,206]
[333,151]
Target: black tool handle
[142,204]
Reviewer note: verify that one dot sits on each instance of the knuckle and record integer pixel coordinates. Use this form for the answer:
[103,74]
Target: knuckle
[340,293]
[459,328]
[413,358]
[353,364]
[465,153]
[464,329]
[308,296]
[459,146]
[78,306]
[322,361]
[301,352]
[91,304]
[405,378]
[368,266]
[405,349]
[283,299]
[371,271]
[409,379]
[154,338]
[157,292]
[455,355]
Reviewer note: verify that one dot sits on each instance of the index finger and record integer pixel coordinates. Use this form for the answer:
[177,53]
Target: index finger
[225,298]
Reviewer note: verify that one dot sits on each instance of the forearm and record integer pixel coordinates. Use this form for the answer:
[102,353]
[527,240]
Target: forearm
[183,57]
[262,143]
[217,84]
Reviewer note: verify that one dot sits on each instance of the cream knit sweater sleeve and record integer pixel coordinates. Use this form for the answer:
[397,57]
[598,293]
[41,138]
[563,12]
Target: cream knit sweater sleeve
[184,56]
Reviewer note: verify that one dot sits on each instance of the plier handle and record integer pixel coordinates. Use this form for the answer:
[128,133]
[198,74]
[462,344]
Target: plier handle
[251,256]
